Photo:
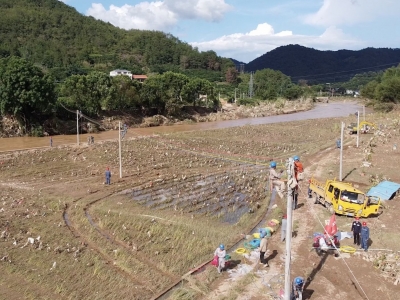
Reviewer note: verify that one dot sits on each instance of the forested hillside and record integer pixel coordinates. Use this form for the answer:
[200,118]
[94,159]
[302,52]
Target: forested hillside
[56,37]
[302,63]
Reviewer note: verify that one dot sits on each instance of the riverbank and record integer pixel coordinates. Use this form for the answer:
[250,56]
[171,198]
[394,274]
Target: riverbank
[229,111]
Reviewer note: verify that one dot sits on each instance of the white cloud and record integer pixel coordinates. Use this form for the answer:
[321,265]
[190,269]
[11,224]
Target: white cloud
[159,15]
[247,46]
[145,15]
[209,10]
[348,12]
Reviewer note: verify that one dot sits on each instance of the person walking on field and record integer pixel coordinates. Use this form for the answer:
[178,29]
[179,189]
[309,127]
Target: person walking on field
[263,249]
[220,252]
[283,228]
[108,176]
[356,228]
[51,141]
[364,236]
[275,181]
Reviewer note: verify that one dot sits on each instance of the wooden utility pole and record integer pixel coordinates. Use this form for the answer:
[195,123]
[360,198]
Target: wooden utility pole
[120,155]
[77,127]
[358,127]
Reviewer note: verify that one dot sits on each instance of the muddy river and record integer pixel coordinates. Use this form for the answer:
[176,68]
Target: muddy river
[326,110]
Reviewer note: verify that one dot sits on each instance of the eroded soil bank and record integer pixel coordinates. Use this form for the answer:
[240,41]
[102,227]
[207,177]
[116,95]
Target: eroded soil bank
[9,127]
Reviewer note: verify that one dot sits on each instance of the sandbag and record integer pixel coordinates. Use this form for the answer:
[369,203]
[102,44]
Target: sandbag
[215,261]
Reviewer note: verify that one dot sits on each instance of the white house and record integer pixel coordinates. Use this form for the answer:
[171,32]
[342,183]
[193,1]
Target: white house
[121,72]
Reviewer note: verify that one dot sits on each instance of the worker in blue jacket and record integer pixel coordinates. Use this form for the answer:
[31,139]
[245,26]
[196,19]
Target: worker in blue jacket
[108,176]
[356,229]
[364,236]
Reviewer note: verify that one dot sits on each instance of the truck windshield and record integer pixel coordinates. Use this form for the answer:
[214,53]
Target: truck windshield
[352,197]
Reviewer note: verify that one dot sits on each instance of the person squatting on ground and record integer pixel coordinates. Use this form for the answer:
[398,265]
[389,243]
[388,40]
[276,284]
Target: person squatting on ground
[283,228]
[297,288]
[309,192]
[356,228]
[364,236]
[298,174]
[274,178]
[263,249]
[108,176]
[220,252]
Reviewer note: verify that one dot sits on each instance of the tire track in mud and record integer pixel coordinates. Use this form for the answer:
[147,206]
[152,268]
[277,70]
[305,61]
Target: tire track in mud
[117,242]
[110,261]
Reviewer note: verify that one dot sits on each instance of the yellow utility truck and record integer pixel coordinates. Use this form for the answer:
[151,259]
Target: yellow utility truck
[343,199]
[364,127]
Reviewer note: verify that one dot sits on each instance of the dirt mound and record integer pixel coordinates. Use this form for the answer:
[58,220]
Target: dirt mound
[9,127]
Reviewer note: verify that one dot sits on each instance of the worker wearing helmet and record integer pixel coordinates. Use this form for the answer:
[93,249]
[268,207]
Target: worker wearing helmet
[274,179]
[220,252]
[297,288]
[364,236]
[299,175]
[356,229]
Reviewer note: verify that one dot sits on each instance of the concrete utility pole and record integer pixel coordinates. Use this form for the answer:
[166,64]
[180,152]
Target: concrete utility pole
[235,94]
[358,127]
[341,153]
[251,85]
[77,127]
[364,112]
[290,173]
[120,155]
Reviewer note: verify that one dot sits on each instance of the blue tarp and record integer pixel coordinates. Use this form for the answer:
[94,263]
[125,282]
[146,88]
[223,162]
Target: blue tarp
[385,190]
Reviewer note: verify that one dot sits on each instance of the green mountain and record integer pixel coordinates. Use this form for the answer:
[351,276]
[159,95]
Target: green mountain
[302,63]
[57,37]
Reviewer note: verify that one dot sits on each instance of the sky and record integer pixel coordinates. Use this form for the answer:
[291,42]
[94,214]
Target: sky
[246,29]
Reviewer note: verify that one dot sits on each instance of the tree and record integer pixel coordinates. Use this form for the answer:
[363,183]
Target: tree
[25,92]
[231,75]
[293,92]
[268,84]
[153,94]
[197,86]
[127,93]
[89,93]
[388,90]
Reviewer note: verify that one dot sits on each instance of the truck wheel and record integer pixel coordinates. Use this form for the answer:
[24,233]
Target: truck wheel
[330,209]
[316,198]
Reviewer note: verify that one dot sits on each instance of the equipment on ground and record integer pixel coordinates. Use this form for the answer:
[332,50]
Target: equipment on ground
[364,127]
[322,243]
[343,199]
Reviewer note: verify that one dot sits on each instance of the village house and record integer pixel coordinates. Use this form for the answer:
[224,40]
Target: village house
[121,72]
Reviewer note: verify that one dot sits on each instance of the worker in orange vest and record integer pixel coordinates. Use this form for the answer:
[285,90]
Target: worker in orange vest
[298,174]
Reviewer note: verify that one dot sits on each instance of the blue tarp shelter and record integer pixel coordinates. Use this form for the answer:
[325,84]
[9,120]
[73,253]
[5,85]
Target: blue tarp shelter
[386,190]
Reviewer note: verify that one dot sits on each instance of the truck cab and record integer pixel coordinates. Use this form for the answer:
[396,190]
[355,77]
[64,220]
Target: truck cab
[343,199]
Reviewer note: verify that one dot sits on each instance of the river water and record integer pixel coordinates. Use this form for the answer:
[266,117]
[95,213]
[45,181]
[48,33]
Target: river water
[325,110]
